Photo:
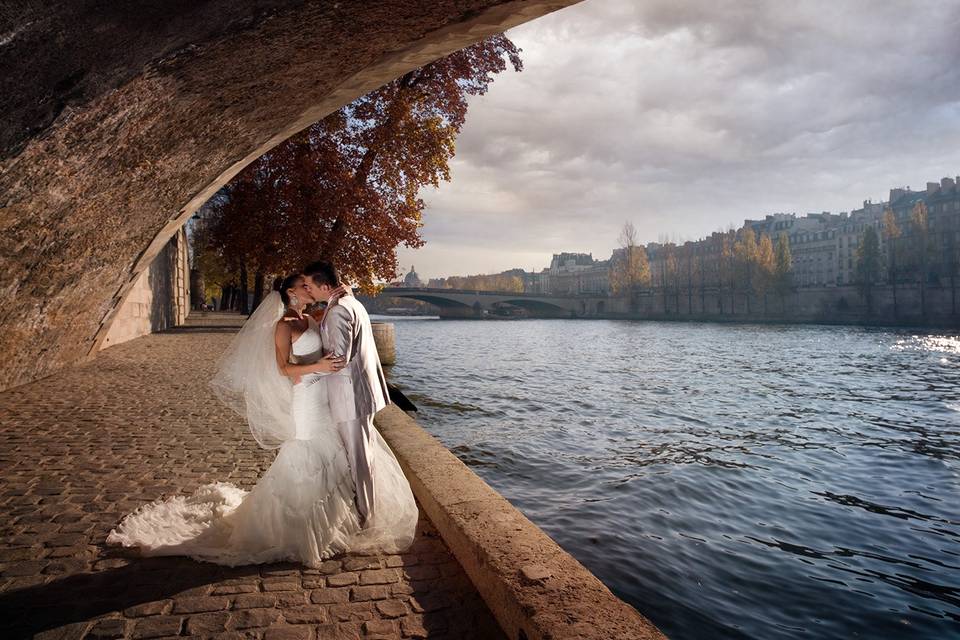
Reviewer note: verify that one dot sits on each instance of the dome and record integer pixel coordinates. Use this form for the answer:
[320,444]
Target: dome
[412,279]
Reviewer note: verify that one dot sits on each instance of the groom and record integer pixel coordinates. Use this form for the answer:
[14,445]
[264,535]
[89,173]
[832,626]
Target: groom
[358,390]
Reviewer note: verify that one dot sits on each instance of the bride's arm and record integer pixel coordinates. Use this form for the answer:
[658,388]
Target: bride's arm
[328,364]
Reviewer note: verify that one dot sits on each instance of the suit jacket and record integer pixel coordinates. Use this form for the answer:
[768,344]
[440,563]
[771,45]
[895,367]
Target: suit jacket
[360,388]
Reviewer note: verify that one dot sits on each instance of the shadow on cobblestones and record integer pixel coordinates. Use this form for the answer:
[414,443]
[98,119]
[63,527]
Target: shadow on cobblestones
[206,329]
[84,596]
[83,447]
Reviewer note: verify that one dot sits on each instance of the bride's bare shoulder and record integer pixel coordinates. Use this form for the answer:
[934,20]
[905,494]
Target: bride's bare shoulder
[283,327]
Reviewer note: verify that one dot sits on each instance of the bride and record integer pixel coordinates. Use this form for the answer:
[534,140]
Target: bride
[303,508]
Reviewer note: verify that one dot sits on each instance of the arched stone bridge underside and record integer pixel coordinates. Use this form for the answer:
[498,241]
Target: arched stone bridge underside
[458,303]
[120,119]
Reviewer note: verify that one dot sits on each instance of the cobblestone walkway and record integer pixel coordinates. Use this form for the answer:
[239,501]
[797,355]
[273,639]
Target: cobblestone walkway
[87,445]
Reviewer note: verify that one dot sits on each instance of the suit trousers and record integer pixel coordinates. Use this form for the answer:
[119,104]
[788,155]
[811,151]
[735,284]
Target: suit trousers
[357,436]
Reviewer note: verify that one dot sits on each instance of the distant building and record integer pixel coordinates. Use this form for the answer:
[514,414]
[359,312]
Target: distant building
[412,280]
[943,228]
[575,274]
[823,247]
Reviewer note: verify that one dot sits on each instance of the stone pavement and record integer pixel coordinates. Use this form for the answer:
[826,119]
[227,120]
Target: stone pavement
[83,447]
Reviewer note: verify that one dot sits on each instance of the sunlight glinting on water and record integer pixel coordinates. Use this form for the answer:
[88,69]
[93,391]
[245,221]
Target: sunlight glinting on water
[730,481]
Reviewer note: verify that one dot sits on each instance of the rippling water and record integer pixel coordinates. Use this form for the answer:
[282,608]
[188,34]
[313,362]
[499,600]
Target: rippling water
[729,481]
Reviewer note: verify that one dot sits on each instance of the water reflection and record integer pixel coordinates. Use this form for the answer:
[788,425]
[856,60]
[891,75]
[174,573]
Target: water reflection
[731,481]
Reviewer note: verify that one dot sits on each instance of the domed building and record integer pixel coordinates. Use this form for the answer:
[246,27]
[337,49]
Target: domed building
[412,280]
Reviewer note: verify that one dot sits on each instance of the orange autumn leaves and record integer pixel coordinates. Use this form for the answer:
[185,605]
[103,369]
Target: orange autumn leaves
[347,188]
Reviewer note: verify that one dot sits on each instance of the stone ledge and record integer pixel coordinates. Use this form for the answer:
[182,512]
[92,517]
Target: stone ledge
[535,589]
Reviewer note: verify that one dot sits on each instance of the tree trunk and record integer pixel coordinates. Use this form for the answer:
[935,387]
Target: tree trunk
[244,299]
[923,282]
[893,278]
[953,290]
[666,294]
[258,280]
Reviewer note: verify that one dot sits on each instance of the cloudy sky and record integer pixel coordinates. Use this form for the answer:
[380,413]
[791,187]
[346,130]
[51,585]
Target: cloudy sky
[688,117]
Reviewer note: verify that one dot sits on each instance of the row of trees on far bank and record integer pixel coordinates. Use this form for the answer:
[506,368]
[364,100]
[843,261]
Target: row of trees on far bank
[913,256]
[495,282]
[347,188]
[746,271]
[734,264]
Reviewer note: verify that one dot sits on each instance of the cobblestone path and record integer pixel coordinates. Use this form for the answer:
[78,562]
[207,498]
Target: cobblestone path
[81,448]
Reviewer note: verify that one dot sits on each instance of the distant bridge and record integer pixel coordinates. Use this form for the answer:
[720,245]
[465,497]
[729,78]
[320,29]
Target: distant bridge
[461,303]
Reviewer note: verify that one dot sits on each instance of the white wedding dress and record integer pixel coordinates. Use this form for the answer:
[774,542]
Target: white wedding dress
[301,510]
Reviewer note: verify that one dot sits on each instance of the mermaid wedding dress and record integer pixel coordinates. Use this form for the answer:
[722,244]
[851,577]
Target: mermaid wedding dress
[301,510]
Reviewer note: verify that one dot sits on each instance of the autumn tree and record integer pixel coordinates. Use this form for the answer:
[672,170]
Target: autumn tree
[868,265]
[504,282]
[745,251]
[765,269]
[919,226]
[783,270]
[347,188]
[669,274]
[687,260]
[951,262]
[722,249]
[702,267]
[630,267]
[891,234]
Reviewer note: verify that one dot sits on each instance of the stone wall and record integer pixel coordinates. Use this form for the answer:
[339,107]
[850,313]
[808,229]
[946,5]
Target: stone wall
[809,304]
[118,120]
[159,299]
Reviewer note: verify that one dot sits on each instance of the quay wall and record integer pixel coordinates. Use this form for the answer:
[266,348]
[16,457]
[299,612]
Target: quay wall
[535,589]
[833,305]
[158,300]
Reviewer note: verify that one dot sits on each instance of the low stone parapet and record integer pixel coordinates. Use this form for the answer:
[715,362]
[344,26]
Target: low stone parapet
[535,589]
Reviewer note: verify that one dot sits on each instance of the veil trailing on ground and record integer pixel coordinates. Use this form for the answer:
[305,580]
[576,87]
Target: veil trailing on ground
[248,380]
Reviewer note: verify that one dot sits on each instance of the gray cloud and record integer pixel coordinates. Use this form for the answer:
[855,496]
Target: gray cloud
[686,117]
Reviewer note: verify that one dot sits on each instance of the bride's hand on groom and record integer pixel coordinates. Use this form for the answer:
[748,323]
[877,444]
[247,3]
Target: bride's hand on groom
[331,363]
[339,292]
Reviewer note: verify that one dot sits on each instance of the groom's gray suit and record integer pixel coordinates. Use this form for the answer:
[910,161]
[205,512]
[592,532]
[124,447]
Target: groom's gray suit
[357,391]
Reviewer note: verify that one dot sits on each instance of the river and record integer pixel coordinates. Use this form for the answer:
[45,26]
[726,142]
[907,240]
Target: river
[729,481]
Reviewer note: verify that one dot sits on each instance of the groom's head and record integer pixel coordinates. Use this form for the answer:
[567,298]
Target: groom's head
[321,278]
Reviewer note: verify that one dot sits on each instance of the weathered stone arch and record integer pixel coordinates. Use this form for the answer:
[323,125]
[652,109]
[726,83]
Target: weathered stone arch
[120,119]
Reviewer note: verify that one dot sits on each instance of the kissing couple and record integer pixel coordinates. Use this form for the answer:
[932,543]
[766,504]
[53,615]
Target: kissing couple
[308,387]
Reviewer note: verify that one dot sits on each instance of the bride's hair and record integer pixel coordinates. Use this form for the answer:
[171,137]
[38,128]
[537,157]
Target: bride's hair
[281,285]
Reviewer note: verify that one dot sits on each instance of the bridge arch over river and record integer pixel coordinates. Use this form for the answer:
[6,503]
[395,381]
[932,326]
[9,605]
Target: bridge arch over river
[463,303]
